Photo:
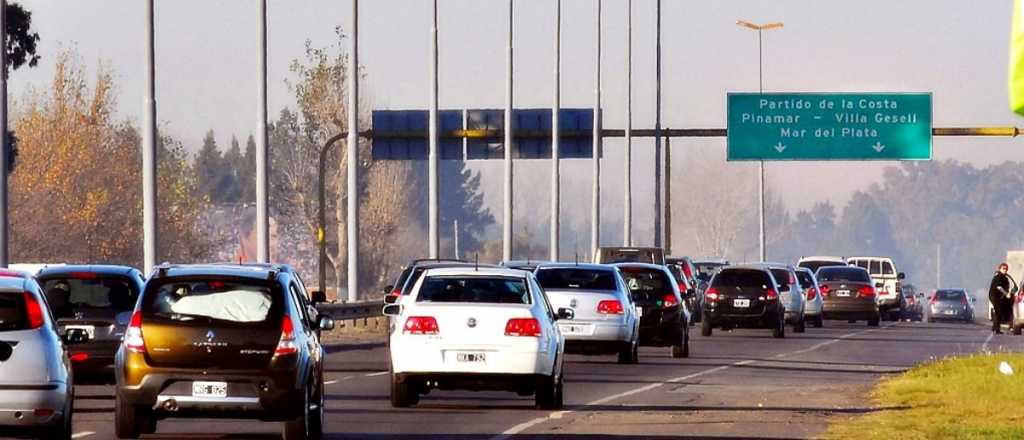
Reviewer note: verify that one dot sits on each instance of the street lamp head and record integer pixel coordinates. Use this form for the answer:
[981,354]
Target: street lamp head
[759,27]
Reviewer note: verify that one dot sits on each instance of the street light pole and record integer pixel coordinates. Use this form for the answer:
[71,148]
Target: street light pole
[760,89]
[627,233]
[149,156]
[352,188]
[553,242]
[433,242]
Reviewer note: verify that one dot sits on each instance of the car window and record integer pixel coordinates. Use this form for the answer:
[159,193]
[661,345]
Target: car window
[576,279]
[539,293]
[782,276]
[230,301]
[949,295]
[474,289]
[887,268]
[301,304]
[851,274]
[806,280]
[814,265]
[69,293]
[875,267]
[12,311]
[749,278]
[639,279]
[860,263]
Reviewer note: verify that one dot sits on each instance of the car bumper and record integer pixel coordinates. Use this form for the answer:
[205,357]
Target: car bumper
[248,395]
[521,383]
[940,314]
[594,331]
[859,311]
[412,357]
[18,404]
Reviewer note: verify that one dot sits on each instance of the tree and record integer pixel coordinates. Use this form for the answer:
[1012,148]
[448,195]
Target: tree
[207,166]
[247,172]
[21,40]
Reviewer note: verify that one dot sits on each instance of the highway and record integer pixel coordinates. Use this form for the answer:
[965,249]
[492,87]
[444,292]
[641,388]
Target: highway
[738,384]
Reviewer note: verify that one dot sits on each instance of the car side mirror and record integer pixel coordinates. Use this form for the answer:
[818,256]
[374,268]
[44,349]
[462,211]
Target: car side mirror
[390,299]
[392,310]
[324,322]
[565,313]
[318,296]
[879,285]
[901,276]
[76,336]
[387,289]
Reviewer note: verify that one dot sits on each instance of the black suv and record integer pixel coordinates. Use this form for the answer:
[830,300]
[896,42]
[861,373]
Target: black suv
[742,296]
[222,340]
[98,300]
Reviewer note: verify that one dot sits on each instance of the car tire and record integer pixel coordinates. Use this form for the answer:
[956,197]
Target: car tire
[316,423]
[801,326]
[128,420]
[873,322]
[629,354]
[301,427]
[402,393]
[705,327]
[819,321]
[682,350]
[779,331]
[547,393]
[1017,330]
[62,430]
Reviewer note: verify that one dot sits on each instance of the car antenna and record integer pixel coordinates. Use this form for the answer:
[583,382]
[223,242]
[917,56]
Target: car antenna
[476,262]
[577,258]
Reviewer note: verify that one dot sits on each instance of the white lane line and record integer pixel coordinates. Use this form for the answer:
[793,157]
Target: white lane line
[82,434]
[379,373]
[330,382]
[559,414]
[984,347]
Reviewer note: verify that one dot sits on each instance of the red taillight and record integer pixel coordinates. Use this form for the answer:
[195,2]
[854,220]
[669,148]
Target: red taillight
[669,300]
[421,325]
[866,292]
[286,345]
[771,295]
[133,340]
[963,300]
[824,290]
[84,275]
[711,295]
[34,310]
[934,298]
[522,327]
[610,307]
[42,412]
[79,357]
[812,293]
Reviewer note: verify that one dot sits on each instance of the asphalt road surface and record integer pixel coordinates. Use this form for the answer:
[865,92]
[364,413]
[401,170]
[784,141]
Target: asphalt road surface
[738,384]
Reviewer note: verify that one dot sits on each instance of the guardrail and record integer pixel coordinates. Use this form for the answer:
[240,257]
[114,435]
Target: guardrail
[353,310]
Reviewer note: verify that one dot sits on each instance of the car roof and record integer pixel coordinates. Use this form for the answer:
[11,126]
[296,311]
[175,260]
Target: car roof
[8,283]
[523,262]
[442,264]
[823,258]
[486,271]
[562,265]
[630,248]
[254,271]
[637,264]
[771,265]
[889,259]
[105,269]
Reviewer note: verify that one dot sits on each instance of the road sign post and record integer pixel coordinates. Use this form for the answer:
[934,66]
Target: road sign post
[829,126]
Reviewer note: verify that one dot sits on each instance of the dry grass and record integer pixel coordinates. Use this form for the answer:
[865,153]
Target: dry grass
[961,398]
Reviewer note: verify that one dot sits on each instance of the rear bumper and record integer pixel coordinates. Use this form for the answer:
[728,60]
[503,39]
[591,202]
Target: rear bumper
[599,332]
[767,318]
[594,347]
[520,383]
[857,311]
[19,402]
[248,395]
[413,357]
[664,331]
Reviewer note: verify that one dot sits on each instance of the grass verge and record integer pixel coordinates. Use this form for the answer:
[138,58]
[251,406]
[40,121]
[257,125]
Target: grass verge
[961,398]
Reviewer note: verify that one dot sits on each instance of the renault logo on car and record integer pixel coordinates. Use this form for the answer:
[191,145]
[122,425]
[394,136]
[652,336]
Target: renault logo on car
[471,322]
[209,336]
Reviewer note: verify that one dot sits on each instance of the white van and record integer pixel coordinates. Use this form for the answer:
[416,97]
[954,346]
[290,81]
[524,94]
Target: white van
[887,281]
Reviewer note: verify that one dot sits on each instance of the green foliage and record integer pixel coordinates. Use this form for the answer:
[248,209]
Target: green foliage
[21,41]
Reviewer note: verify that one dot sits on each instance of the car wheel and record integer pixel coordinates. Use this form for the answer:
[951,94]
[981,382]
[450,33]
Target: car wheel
[300,428]
[873,322]
[1017,330]
[629,353]
[129,420]
[780,328]
[316,423]
[801,326]
[682,350]
[62,430]
[547,392]
[819,321]
[705,327]
[402,394]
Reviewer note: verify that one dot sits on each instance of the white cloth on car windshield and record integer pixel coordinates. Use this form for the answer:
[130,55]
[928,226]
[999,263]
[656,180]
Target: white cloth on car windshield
[232,305]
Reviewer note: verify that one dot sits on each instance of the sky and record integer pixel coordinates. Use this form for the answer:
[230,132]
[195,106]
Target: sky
[207,78]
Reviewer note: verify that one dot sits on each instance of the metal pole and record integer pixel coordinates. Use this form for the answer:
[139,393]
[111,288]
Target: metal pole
[553,245]
[4,160]
[432,222]
[668,196]
[627,235]
[321,230]
[657,126]
[262,193]
[760,180]
[506,227]
[149,156]
[595,203]
[455,233]
[352,187]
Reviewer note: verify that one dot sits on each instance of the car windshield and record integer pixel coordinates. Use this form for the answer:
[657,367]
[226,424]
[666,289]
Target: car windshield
[782,276]
[743,278]
[576,279]
[611,256]
[229,301]
[949,295]
[852,274]
[89,291]
[645,280]
[473,289]
[805,278]
[814,265]
[12,311]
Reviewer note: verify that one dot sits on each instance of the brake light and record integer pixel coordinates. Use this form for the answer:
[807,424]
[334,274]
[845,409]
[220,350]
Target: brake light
[42,412]
[932,301]
[522,327]
[824,290]
[421,325]
[133,340]
[286,345]
[866,292]
[711,295]
[610,307]
[771,295]
[84,275]
[34,310]
[79,357]
[669,300]
[812,293]
[963,300]
[683,287]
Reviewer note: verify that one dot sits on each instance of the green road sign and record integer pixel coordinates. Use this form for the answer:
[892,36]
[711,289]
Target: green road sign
[830,126]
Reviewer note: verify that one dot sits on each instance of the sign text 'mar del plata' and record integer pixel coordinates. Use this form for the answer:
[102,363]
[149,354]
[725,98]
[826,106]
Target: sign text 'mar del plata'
[830,126]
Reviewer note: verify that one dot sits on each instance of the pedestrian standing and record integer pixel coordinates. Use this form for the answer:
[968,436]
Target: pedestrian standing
[998,294]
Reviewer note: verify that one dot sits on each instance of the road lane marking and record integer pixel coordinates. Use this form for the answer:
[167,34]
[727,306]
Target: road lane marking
[984,347]
[379,373]
[82,434]
[330,382]
[559,414]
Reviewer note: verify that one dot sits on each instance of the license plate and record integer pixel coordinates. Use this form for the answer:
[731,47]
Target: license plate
[950,312]
[89,330]
[842,293]
[471,357]
[209,389]
[569,329]
[741,303]
[639,311]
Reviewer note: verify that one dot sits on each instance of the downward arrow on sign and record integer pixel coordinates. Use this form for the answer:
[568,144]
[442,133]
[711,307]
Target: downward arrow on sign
[878,147]
[779,147]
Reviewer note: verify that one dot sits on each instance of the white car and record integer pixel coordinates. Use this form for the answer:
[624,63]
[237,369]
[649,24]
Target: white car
[888,282]
[476,329]
[606,320]
[812,295]
[791,293]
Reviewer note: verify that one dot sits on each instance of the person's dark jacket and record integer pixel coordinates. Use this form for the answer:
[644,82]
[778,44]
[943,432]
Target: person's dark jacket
[994,294]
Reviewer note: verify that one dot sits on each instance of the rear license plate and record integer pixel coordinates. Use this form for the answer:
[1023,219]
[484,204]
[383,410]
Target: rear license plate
[639,311]
[950,312]
[741,303]
[571,329]
[471,357]
[209,389]
[88,329]
[842,293]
